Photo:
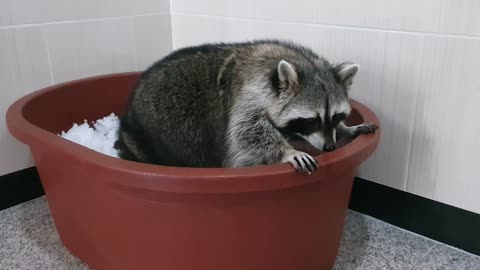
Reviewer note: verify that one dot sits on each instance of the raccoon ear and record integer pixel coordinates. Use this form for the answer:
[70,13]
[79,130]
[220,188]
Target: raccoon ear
[345,72]
[286,72]
[284,77]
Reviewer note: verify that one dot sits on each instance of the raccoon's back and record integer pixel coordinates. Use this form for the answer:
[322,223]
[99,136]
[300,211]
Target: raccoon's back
[181,104]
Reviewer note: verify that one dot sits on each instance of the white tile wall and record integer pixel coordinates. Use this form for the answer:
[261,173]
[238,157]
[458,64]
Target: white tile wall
[298,11]
[14,12]
[23,66]
[152,45]
[396,108]
[44,42]
[436,16]
[444,163]
[86,48]
[389,14]
[192,29]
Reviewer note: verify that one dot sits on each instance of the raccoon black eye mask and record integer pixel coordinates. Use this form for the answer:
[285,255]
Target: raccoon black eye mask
[303,126]
[220,105]
[309,125]
[337,118]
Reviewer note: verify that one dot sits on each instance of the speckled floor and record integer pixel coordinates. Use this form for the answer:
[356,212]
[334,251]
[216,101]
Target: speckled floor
[28,240]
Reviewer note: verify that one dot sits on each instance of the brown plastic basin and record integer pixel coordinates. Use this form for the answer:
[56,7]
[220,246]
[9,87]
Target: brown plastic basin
[116,214]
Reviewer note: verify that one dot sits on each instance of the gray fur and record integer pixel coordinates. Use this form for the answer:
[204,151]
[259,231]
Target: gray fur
[232,105]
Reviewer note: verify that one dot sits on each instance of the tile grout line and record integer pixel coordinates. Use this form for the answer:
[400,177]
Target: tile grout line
[135,49]
[47,47]
[340,26]
[80,20]
[170,14]
[386,36]
[417,95]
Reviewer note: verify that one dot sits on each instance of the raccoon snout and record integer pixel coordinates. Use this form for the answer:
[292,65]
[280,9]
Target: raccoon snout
[317,140]
[329,147]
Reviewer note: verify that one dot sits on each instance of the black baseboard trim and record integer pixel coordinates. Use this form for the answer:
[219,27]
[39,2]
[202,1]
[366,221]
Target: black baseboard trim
[444,223]
[432,219]
[19,187]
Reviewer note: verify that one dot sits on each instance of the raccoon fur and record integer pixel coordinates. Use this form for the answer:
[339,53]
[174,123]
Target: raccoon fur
[235,105]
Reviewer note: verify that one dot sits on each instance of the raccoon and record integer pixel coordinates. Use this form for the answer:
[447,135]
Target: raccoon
[236,105]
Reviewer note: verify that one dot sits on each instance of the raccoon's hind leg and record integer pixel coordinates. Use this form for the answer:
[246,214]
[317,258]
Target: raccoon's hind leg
[352,132]
[129,149]
[123,151]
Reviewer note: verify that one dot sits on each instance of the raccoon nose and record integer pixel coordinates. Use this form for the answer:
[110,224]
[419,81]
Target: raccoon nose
[329,147]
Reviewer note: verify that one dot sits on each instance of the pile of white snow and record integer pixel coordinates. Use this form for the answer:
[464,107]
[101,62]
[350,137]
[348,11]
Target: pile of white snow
[99,136]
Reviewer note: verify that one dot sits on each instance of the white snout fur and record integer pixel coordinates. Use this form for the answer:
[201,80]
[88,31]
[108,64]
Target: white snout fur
[315,139]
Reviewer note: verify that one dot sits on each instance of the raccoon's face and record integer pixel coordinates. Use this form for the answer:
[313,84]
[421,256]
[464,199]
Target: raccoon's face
[317,106]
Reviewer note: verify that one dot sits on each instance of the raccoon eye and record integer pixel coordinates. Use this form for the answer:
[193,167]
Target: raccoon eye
[303,125]
[338,117]
[311,124]
[311,120]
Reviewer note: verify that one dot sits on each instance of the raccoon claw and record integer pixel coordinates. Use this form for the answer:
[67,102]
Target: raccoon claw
[367,128]
[302,161]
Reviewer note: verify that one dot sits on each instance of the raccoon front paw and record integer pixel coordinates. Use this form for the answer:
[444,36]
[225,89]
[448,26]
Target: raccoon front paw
[367,128]
[301,161]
